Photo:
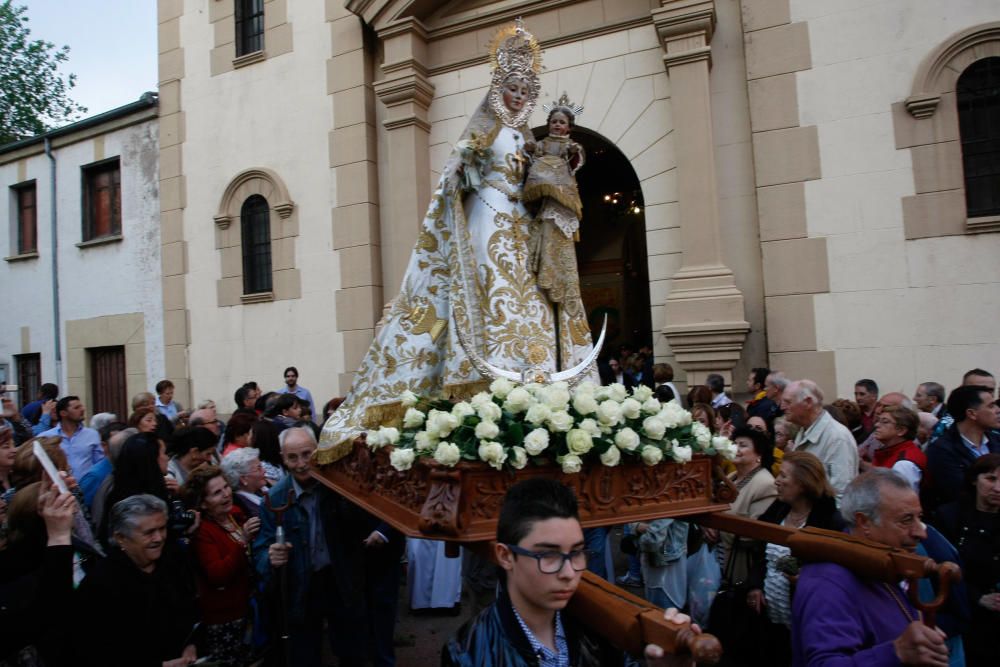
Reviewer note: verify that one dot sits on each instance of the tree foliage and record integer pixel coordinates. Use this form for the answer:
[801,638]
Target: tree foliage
[34,94]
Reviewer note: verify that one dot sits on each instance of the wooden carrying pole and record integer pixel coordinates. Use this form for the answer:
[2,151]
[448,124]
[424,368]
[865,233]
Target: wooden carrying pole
[626,621]
[869,560]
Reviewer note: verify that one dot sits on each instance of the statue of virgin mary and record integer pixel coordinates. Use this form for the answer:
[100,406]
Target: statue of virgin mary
[468,295]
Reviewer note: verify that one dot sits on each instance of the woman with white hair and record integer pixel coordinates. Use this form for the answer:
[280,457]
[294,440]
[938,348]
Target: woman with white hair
[142,593]
[245,474]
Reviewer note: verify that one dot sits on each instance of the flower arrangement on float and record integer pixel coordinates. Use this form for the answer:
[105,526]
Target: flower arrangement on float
[513,425]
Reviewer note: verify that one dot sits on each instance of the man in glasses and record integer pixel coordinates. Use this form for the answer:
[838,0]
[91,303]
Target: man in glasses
[541,551]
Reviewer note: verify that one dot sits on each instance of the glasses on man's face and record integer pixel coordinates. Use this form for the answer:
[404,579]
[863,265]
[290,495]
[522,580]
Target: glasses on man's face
[551,562]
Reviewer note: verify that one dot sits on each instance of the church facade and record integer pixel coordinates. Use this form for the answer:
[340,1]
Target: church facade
[810,185]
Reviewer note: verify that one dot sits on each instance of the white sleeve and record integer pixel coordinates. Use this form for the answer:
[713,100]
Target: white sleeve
[911,471]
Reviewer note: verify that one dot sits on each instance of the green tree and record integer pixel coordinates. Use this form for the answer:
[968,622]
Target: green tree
[34,94]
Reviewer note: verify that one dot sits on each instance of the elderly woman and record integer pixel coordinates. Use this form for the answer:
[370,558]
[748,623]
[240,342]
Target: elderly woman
[805,498]
[972,524]
[222,553]
[895,430]
[141,593]
[245,473]
[755,483]
[784,434]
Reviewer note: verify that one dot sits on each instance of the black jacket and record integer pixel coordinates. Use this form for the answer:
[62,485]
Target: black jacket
[947,459]
[128,618]
[494,639]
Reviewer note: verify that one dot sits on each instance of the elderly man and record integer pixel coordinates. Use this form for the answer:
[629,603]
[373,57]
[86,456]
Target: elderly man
[332,547]
[206,418]
[929,397]
[821,435]
[840,618]
[775,385]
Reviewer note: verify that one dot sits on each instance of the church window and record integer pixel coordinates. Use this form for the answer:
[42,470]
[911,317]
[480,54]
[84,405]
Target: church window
[978,97]
[249,26]
[255,222]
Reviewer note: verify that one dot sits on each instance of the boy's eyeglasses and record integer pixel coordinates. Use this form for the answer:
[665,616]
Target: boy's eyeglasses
[551,562]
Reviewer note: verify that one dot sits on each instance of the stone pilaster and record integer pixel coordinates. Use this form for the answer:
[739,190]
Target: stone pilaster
[406,91]
[705,320]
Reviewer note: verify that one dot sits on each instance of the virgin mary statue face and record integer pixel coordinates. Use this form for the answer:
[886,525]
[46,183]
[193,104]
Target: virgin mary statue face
[515,94]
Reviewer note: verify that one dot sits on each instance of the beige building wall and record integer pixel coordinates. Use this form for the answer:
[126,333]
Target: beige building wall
[271,114]
[887,304]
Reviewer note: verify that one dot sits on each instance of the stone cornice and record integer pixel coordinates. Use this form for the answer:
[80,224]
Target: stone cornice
[410,87]
[682,18]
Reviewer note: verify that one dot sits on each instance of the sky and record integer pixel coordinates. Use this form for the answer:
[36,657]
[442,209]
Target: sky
[112,46]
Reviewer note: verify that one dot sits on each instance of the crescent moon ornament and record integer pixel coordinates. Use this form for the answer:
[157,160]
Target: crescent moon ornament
[571,376]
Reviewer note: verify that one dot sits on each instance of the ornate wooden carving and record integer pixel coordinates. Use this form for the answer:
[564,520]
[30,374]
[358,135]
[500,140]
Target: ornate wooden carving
[462,503]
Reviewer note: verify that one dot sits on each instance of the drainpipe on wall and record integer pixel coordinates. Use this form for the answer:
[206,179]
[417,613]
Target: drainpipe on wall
[56,323]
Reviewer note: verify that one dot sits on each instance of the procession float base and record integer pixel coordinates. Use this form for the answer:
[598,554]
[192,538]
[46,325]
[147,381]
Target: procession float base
[462,503]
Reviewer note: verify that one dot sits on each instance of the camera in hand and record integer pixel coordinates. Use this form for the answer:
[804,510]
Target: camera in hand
[179,519]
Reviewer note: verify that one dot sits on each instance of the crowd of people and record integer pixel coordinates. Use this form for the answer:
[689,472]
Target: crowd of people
[183,537]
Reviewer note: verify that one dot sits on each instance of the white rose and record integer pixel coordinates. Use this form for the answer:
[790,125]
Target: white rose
[651,455]
[585,404]
[408,399]
[375,439]
[627,439]
[501,387]
[424,442]
[591,426]
[390,435]
[642,393]
[447,454]
[631,408]
[654,427]
[611,457]
[652,406]
[493,454]
[518,458]
[518,400]
[461,410]
[481,399]
[560,421]
[701,434]
[579,441]
[609,412]
[681,453]
[602,394]
[487,430]
[537,414]
[586,387]
[401,459]
[725,447]
[536,441]
[440,424]
[571,464]
[489,411]
[671,415]
[617,391]
[556,396]
[413,418]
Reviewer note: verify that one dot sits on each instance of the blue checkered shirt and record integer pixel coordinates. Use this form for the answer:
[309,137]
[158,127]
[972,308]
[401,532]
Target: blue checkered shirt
[546,656]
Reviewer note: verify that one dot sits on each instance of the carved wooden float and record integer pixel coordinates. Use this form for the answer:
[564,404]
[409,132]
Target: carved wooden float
[461,504]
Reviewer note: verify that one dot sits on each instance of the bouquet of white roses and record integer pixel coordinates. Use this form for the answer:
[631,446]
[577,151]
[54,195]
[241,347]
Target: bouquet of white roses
[512,425]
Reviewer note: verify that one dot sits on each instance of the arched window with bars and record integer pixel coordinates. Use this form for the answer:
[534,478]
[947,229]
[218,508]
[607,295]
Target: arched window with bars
[978,99]
[255,225]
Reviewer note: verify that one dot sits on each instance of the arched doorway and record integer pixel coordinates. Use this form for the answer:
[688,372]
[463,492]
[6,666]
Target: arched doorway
[611,254]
